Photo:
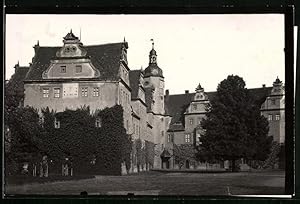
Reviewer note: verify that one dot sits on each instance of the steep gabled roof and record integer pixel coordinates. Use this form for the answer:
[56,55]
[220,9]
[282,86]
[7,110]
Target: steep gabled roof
[134,80]
[175,105]
[105,58]
[17,79]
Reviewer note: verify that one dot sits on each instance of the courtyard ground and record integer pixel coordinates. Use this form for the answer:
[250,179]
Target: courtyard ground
[163,183]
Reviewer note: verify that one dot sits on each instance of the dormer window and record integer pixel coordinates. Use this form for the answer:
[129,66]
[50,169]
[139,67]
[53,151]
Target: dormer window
[273,101]
[78,68]
[63,69]
[195,106]
[67,50]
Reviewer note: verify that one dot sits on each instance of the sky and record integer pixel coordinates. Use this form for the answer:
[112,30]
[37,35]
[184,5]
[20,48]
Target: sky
[191,49]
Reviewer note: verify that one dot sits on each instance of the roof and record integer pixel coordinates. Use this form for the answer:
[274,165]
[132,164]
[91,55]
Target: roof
[18,77]
[149,70]
[105,58]
[134,80]
[165,153]
[176,127]
[175,105]
[70,36]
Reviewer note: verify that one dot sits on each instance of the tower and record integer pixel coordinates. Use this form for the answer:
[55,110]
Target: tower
[274,110]
[153,78]
[154,83]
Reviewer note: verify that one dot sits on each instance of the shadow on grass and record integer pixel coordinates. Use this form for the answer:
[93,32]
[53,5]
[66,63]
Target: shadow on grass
[24,179]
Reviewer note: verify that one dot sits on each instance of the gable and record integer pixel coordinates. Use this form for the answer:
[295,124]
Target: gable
[105,58]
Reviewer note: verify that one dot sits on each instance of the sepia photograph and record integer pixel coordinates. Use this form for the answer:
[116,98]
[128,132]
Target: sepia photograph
[149,105]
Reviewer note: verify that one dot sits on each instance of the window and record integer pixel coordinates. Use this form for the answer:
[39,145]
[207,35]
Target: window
[56,123]
[195,106]
[187,138]
[63,69]
[277,117]
[93,161]
[199,120]
[198,137]
[98,122]
[84,91]
[273,102]
[191,121]
[127,125]
[270,117]
[170,139]
[78,68]
[56,92]
[162,133]
[45,92]
[96,91]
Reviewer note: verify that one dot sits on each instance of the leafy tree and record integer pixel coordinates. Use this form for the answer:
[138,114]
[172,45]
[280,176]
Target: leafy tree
[184,152]
[233,127]
[25,134]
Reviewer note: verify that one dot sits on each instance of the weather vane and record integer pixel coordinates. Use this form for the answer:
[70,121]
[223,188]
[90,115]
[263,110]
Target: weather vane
[152,43]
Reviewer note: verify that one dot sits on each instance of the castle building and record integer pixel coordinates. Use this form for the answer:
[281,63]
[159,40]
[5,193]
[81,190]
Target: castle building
[98,76]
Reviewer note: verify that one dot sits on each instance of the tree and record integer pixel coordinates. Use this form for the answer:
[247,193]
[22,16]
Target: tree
[184,152]
[25,133]
[233,126]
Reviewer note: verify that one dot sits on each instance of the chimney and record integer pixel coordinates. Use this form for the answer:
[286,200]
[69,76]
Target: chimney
[264,85]
[167,92]
[186,91]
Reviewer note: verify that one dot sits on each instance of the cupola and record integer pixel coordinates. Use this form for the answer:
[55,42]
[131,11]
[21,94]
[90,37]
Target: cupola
[153,69]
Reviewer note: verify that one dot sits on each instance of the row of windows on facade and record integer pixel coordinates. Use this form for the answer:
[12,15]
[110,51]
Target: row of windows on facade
[98,122]
[78,69]
[136,129]
[57,92]
[191,121]
[195,106]
[270,117]
[187,138]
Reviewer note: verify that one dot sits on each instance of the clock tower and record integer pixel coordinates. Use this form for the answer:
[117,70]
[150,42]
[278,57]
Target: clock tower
[153,78]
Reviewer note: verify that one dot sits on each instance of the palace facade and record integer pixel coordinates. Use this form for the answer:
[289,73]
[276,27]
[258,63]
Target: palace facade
[98,76]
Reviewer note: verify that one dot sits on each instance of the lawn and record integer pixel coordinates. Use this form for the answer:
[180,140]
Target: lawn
[162,183]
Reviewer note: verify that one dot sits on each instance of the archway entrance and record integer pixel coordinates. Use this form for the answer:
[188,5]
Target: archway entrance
[165,159]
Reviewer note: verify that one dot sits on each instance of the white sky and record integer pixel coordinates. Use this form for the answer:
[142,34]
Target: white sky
[190,48]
